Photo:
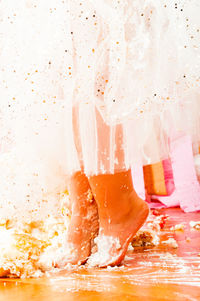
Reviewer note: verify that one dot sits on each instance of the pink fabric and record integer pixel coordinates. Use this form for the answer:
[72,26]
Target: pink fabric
[155,204]
[168,175]
[138,180]
[187,188]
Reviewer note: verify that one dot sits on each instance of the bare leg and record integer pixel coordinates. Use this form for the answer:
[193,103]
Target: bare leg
[121,214]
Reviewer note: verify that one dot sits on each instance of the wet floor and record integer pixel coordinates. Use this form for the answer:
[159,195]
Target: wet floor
[153,273]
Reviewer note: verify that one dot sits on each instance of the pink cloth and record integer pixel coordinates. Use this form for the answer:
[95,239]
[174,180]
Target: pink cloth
[168,175]
[138,180]
[187,188]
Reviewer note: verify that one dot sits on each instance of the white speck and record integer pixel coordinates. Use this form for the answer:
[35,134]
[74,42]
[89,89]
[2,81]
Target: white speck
[171,242]
[195,225]
[178,227]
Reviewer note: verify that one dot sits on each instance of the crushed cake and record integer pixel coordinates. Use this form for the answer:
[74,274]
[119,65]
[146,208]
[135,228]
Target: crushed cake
[195,225]
[171,242]
[31,249]
[145,238]
[178,227]
[148,235]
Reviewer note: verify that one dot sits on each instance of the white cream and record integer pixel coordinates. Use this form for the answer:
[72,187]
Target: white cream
[104,246]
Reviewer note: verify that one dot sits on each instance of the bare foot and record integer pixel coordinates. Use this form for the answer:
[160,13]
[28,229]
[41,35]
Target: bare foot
[121,214]
[84,225]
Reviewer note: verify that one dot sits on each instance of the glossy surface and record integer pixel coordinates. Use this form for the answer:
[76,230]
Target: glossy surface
[159,273]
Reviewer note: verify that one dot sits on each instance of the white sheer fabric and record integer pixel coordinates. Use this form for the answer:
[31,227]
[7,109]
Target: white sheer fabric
[137,63]
[32,110]
[93,84]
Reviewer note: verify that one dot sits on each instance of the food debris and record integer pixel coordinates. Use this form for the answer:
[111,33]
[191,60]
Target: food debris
[195,225]
[188,239]
[147,238]
[155,212]
[148,235]
[29,249]
[171,242]
[168,256]
[157,223]
[178,227]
